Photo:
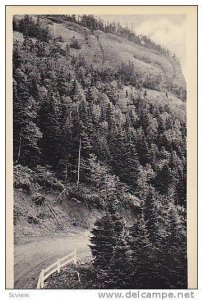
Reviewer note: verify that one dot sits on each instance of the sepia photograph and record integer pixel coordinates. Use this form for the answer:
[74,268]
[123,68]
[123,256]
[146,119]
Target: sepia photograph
[101,180]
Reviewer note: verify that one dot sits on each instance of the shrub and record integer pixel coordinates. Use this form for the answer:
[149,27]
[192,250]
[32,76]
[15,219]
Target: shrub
[85,196]
[46,178]
[16,214]
[22,178]
[29,27]
[38,199]
[26,179]
[59,39]
[75,43]
[32,220]
[42,215]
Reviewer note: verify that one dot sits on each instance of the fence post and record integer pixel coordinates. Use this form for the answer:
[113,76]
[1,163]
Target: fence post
[42,278]
[75,259]
[39,281]
[58,265]
[78,276]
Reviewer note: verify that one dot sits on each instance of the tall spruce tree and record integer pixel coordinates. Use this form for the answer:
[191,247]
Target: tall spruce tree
[109,250]
[50,127]
[141,258]
[26,131]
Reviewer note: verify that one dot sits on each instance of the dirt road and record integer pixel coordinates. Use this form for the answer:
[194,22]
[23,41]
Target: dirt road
[31,258]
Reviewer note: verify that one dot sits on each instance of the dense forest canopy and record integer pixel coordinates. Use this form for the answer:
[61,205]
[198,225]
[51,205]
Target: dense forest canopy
[67,119]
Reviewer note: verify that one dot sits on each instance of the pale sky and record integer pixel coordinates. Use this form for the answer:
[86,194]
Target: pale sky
[167,30]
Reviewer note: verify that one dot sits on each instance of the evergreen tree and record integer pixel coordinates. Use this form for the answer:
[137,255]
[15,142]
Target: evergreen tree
[124,159]
[63,84]
[141,259]
[151,215]
[91,95]
[109,250]
[102,242]
[50,127]
[163,178]
[97,172]
[26,132]
[173,254]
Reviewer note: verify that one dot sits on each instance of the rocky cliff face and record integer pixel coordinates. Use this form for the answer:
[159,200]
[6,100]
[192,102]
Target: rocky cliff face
[109,50]
[106,50]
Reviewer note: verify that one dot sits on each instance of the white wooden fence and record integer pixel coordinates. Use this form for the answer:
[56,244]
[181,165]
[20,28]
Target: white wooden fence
[61,262]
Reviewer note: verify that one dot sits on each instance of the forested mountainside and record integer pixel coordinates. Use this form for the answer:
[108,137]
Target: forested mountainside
[99,117]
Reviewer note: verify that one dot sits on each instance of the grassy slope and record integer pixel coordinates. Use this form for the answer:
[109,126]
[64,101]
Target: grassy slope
[177,106]
[70,214]
[106,49]
[109,50]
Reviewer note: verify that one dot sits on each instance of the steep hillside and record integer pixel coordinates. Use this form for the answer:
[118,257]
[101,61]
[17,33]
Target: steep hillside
[102,49]
[107,49]
[99,145]
[58,210]
[66,68]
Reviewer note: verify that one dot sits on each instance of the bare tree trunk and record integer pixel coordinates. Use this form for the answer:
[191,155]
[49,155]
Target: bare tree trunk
[66,169]
[19,149]
[78,181]
[66,172]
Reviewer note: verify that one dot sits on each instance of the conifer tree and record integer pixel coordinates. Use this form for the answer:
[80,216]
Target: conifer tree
[173,251]
[141,261]
[26,132]
[50,126]
[63,85]
[110,250]
[97,172]
[91,95]
[125,162]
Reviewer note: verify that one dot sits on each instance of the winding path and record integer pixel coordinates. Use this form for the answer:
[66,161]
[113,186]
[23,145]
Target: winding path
[31,258]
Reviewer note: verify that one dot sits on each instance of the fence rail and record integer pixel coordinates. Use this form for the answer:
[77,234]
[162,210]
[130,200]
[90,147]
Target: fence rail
[61,262]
